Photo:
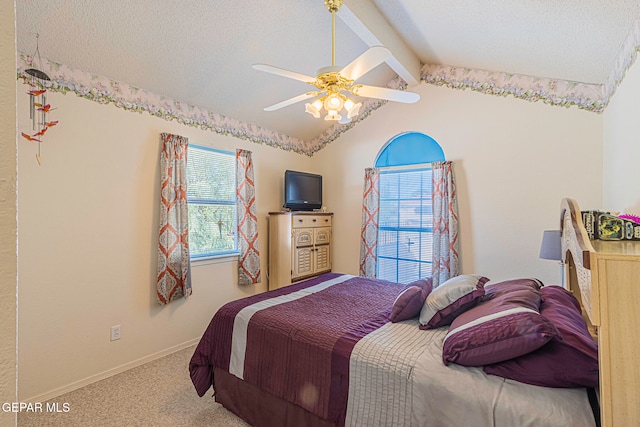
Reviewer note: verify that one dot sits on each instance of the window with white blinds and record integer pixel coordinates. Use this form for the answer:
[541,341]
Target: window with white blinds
[211,194]
[405,225]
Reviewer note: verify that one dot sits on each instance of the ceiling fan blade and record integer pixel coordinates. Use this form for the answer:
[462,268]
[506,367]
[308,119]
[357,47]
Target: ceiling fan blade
[284,73]
[290,101]
[364,63]
[385,93]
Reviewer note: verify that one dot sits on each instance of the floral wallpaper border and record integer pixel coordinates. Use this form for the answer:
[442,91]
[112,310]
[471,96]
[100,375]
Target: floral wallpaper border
[626,58]
[550,91]
[103,90]
[591,97]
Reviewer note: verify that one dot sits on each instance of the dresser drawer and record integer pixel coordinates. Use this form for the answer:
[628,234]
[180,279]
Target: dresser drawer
[304,221]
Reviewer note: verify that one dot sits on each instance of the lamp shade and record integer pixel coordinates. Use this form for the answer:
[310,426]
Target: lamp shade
[551,247]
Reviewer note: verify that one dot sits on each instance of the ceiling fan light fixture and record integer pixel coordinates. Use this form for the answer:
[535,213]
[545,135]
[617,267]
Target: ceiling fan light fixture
[333,115]
[334,102]
[348,104]
[313,108]
[353,108]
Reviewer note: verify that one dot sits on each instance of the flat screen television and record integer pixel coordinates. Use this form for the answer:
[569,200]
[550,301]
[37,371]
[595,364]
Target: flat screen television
[302,191]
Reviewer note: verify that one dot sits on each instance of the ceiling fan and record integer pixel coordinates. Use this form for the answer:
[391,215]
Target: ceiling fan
[335,83]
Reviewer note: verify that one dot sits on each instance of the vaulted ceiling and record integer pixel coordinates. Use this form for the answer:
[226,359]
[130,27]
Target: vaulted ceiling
[201,52]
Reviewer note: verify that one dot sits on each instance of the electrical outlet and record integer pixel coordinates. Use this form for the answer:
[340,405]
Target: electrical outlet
[115,333]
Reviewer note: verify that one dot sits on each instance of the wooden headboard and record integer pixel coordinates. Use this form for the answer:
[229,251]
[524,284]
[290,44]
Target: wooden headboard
[576,254]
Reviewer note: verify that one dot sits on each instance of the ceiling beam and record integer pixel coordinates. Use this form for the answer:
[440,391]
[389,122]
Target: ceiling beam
[366,21]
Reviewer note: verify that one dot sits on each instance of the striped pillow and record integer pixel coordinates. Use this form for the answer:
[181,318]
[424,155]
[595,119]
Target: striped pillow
[505,325]
[451,298]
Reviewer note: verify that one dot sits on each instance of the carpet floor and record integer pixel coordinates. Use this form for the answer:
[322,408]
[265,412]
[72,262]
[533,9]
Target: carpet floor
[158,393]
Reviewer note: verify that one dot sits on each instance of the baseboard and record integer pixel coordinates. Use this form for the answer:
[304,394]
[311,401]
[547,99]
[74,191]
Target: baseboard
[109,373]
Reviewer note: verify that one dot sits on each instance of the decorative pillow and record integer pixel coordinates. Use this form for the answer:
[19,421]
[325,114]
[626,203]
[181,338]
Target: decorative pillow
[426,284]
[507,324]
[451,298]
[409,302]
[491,290]
[570,362]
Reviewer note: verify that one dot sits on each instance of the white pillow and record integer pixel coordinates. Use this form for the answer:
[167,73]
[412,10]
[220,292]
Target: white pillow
[450,299]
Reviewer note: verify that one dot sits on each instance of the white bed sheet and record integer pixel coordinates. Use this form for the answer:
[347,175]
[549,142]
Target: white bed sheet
[397,378]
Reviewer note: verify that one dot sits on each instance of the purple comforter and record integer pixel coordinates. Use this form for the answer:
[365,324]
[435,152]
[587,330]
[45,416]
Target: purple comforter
[297,340]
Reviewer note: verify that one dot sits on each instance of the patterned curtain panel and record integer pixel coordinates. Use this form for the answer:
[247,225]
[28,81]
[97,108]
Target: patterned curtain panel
[174,267]
[249,263]
[369,230]
[445,223]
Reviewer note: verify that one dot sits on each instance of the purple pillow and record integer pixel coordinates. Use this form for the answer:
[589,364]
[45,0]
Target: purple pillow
[426,284]
[569,362]
[409,302]
[505,325]
[451,298]
[494,289]
[506,285]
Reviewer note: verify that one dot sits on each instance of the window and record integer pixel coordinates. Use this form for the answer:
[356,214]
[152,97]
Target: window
[211,194]
[405,225]
[405,233]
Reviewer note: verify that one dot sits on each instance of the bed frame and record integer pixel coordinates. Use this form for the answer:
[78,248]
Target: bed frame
[259,408]
[605,277]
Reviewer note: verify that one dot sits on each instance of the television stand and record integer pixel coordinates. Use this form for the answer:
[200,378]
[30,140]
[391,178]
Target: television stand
[299,246]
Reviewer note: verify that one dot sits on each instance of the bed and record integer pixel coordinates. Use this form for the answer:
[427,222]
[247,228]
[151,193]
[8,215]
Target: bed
[324,352]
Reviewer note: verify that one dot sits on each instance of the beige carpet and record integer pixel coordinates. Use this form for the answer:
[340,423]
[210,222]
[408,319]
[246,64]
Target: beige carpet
[158,393]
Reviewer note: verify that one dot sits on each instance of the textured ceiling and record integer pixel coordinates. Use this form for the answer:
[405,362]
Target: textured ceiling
[201,51]
[573,40]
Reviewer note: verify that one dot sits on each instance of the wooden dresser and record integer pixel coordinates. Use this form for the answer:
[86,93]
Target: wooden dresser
[299,246]
[605,277]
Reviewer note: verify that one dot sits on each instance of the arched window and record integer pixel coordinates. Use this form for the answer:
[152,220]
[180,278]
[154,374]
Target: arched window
[409,148]
[406,216]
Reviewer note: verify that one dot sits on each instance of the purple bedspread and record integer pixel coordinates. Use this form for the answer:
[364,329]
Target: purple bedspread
[299,350]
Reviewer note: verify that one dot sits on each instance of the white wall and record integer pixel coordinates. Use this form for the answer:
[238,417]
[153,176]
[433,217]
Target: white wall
[88,244]
[8,210]
[89,215]
[514,162]
[621,152]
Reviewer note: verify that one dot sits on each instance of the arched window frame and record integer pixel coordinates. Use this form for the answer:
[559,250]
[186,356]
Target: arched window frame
[409,148]
[405,218]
